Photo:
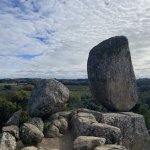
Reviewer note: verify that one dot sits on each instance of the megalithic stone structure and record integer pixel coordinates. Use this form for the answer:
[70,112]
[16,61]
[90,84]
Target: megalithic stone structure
[111,75]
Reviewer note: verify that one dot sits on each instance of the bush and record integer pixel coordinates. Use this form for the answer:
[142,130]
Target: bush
[24,117]
[7,109]
[7,87]
[27,87]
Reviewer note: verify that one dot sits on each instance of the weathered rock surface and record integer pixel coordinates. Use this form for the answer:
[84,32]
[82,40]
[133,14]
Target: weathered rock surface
[38,122]
[131,125]
[15,119]
[88,142]
[111,76]
[30,134]
[7,141]
[29,148]
[13,130]
[96,114]
[20,145]
[47,97]
[110,147]
[64,125]
[85,124]
[52,131]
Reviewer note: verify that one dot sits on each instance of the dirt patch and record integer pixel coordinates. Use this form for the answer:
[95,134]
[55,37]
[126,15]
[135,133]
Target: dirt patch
[62,143]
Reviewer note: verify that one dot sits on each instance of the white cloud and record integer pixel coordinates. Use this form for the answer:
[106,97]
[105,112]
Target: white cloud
[64,31]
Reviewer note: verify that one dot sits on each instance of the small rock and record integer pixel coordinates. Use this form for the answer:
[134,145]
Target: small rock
[30,134]
[13,130]
[64,126]
[57,123]
[15,119]
[65,114]
[96,114]
[38,122]
[7,141]
[29,148]
[87,142]
[52,131]
[110,147]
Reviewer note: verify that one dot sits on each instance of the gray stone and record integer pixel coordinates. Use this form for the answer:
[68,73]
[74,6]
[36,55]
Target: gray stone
[7,141]
[111,75]
[30,134]
[110,147]
[64,125]
[29,148]
[15,119]
[87,142]
[20,145]
[65,114]
[84,124]
[48,97]
[52,131]
[38,122]
[13,130]
[131,124]
[96,114]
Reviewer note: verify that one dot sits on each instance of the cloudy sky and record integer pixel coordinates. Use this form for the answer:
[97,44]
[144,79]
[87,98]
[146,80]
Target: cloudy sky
[52,38]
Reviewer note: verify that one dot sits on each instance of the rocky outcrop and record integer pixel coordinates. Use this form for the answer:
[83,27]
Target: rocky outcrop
[15,119]
[7,141]
[111,76]
[38,122]
[30,134]
[47,98]
[130,124]
[85,124]
[110,147]
[56,127]
[87,142]
[13,130]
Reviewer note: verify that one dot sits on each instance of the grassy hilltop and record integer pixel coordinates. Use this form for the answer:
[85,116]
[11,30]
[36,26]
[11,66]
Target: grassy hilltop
[15,93]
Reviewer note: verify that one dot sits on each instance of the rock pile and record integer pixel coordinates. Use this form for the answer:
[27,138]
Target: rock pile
[111,76]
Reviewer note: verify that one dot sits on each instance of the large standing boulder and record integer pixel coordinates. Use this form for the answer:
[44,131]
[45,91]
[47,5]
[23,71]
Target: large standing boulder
[7,141]
[111,75]
[30,134]
[47,97]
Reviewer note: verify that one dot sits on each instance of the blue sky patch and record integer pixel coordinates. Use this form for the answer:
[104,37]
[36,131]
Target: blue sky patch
[28,56]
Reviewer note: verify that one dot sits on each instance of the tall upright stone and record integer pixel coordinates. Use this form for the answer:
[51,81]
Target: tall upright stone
[111,75]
